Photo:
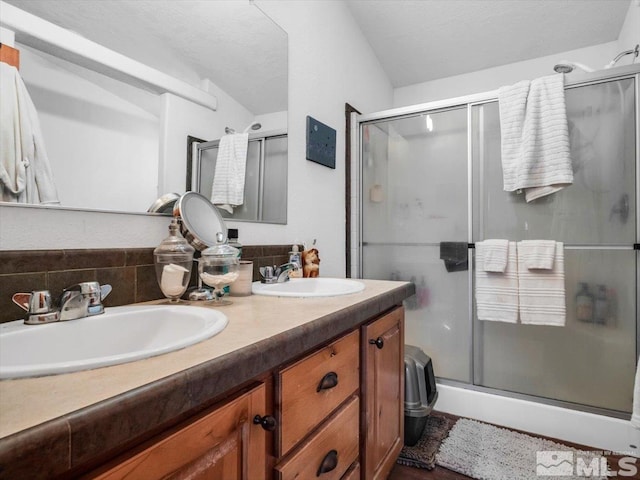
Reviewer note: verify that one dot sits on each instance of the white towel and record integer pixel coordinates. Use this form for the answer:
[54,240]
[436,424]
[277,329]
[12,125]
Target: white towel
[228,181]
[537,254]
[635,414]
[25,173]
[535,137]
[497,293]
[542,292]
[495,253]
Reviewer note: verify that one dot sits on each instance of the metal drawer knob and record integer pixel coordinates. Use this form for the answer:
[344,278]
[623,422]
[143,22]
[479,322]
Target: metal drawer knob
[330,380]
[378,342]
[329,462]
[267,422]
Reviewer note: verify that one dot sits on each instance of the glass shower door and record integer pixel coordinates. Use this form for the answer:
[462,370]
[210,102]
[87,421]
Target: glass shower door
[415,196]
[591,360]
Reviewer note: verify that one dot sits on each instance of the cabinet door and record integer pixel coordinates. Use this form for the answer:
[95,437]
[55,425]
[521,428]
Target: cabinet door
[224,444]
[383,393]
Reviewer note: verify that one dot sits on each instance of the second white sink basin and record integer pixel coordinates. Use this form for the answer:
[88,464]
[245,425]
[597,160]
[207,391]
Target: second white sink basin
[120,335]
[309,287]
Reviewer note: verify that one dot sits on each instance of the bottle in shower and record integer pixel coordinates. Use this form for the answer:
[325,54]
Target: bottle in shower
[601,309]
[584,303]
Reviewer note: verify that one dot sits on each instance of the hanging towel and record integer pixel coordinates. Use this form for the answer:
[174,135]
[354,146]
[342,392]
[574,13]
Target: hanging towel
[535,137]
[455,256]
[497,293]
[25,173]
[228,181]
[542,292]
[537,254]
[635,414]
[495,253]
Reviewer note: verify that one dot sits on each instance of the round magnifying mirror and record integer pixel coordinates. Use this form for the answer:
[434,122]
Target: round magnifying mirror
[201,220]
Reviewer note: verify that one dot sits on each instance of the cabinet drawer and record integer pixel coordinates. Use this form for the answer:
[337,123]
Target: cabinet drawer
[315,386]
[335,446]
[353,473]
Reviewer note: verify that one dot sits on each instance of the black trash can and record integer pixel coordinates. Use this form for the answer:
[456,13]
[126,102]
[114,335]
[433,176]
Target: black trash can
[420,393]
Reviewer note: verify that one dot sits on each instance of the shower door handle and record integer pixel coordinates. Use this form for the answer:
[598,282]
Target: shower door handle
[378,342]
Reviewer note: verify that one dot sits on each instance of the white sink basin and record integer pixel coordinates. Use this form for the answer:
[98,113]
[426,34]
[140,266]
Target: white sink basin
[309,287]
[120,335]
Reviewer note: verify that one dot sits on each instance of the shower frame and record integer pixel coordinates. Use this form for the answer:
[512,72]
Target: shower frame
[355,226]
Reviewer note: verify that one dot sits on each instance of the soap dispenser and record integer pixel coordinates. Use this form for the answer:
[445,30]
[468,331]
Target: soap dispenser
[295,257]
[173,261]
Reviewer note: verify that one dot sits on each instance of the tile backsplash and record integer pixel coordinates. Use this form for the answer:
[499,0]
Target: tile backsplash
[130,272]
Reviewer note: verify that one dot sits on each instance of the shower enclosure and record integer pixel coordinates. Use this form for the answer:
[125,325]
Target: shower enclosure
[432,173]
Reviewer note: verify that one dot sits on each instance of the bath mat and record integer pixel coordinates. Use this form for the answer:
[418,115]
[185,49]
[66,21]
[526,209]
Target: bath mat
[423,453]
[486,452]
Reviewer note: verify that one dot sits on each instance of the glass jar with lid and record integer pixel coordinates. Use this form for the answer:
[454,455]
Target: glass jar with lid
[218,267]
[173,260]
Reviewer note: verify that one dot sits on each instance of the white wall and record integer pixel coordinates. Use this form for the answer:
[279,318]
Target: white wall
[492,78]
[330,63]
[630,33]
[596,56]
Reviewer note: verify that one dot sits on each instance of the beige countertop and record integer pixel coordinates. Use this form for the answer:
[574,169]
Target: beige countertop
[268,323]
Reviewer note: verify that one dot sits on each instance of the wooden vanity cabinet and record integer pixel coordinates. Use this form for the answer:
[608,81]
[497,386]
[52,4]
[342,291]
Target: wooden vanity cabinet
[221,444]
[337,415]
[382,394]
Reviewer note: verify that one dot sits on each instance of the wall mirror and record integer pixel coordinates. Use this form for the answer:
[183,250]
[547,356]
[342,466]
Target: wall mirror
[115,146]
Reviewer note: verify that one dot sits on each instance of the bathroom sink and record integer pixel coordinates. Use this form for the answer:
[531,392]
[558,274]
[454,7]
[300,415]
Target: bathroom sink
[120,335]
[309,287]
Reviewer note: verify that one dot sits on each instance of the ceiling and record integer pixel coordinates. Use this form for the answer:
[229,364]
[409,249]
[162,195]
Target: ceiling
[415,40]
[422,40]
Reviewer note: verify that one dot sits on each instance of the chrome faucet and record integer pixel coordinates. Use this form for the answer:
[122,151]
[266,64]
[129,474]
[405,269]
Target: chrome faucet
[83,300]
[277,274]
[78,301]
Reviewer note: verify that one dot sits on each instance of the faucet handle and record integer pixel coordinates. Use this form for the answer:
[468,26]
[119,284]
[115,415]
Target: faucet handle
[267,273]
[104,291]
[38,306]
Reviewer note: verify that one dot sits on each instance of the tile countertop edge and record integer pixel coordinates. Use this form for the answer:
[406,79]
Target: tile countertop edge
[81,437]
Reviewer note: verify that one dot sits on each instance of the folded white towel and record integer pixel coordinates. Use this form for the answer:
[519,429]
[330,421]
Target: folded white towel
[495,253]
[228,182]
[635,414]
[537,254]
[497,293]
[542,292]
[25,173]
[535,137]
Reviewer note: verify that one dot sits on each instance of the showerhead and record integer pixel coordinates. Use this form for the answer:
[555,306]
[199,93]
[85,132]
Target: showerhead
[568,67]
[253,126]
[563,68]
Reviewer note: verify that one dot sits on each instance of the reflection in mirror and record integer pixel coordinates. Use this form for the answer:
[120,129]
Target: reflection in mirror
[115,146]
[265,184]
